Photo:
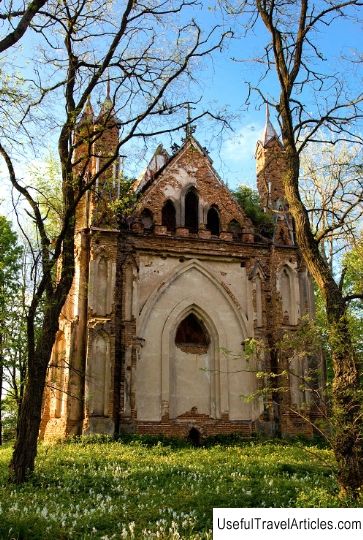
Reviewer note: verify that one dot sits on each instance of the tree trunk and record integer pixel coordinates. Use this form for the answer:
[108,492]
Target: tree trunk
[347,402]
[275,382]
[25,449]
[346,414]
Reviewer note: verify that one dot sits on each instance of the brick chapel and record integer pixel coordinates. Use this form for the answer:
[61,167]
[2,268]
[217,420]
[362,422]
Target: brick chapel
[151,338]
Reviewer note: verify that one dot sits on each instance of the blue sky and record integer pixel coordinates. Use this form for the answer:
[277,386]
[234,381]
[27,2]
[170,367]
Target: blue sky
[221,85]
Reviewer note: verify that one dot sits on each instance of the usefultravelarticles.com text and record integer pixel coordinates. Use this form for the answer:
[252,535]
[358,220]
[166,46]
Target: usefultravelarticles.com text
[270,523]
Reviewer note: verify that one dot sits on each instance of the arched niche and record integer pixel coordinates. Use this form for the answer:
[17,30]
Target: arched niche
[258,289]
[213,223]
[300,381]
[101,284]
[286,294]
[58,378]
[147,219]
[168,216]
[98,375]
[192,210]
[102,274]
[193,361]
[235,228]
[287,284]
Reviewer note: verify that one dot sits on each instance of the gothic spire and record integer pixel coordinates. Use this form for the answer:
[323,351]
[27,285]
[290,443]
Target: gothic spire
[107,105]
[269,131]
[87,114]
[107,111]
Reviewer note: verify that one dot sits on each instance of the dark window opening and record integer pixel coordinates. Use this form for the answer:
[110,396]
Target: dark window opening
[192,211]
[213,221]
[235,228]
[147,219]
[168,218]
[192,335]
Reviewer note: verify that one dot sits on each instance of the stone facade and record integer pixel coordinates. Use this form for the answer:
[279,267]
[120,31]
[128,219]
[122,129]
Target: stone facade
[152,337]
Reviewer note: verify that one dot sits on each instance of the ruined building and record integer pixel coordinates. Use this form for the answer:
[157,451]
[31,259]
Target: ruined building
[152,338]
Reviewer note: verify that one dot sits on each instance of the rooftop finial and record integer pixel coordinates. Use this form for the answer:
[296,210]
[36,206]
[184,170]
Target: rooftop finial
[267,113]
[108,91]
[189,129]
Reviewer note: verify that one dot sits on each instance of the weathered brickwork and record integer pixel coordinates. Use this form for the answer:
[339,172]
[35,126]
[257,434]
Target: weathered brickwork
[169,184]
[189,270]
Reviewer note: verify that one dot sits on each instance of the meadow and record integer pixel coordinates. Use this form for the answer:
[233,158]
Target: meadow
[142,489]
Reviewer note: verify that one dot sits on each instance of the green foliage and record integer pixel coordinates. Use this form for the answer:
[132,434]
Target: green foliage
[117,490]
[9,417]
[353,284]
[10,254]
[353,262]
[306,340]
[10,258]
[124,205]
[47,182]
[249,200]
[252,348]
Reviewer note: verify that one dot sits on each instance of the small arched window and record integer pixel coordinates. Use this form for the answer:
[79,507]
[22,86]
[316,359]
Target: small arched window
[168,218]
[213,221]
[235,228]
[285,289]
[192,336]
[192,211]
[147,219]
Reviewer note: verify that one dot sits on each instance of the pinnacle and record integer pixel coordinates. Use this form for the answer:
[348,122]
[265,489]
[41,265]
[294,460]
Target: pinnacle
[88,114]
[107,109]
[269,131]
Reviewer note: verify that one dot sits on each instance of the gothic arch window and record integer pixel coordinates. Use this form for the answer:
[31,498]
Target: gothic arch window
[192,210]
[213,221]
[192,336]
[280,205]
[168,216]
[99,375]
[147,219]
[235,228]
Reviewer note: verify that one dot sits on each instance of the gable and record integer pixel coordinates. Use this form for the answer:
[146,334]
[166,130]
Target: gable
[191,169]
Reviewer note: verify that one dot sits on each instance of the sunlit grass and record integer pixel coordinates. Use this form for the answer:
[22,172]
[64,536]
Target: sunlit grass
[91,489]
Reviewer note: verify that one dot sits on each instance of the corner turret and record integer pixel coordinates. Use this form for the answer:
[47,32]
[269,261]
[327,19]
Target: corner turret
[97,140]
[271,167]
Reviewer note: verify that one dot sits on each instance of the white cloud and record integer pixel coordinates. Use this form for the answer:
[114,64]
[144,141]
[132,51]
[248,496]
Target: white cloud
[240,148]
[238,155]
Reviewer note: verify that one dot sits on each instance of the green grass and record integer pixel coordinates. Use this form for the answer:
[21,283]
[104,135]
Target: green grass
[91,489]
